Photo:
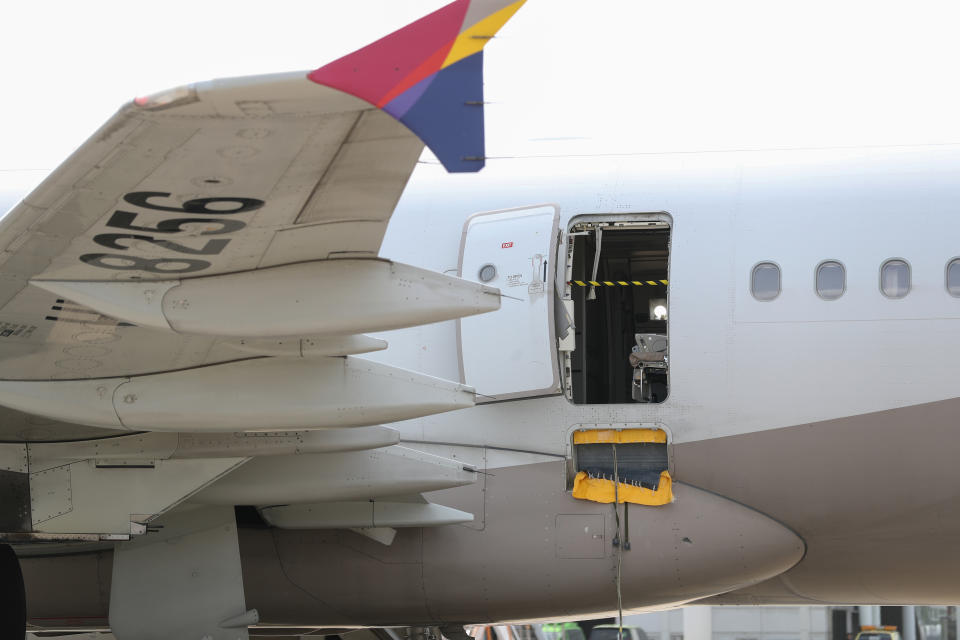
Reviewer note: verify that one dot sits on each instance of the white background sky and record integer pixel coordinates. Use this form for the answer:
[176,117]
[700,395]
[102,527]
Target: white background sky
[608,75]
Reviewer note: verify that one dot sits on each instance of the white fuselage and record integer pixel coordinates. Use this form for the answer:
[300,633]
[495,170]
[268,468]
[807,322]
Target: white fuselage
[810,440]
[738,365]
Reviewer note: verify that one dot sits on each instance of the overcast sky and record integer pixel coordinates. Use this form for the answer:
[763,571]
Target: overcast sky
[565,75]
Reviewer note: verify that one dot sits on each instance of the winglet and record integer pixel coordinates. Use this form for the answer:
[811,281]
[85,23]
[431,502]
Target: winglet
[429,76]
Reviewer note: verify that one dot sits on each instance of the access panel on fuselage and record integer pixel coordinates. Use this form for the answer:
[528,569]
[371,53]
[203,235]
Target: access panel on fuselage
[511,352]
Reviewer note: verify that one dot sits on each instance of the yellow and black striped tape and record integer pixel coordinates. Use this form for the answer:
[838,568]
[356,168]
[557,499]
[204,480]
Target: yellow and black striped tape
[618,283]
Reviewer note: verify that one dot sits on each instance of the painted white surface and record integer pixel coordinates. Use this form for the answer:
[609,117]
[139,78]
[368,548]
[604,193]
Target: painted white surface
[353,476]
[150,446]
[737,365]
[511,350]
[367,514]
[199,544]
[136,302]
[259,394]
[81,498]
[323,297]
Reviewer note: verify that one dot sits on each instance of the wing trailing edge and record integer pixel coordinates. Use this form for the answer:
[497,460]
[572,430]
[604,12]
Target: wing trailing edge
[429,76]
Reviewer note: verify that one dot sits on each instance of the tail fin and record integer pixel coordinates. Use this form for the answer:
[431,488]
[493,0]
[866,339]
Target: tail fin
[429,76]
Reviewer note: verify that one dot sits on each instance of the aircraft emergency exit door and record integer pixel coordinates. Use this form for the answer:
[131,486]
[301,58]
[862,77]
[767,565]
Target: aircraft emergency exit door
[511,352]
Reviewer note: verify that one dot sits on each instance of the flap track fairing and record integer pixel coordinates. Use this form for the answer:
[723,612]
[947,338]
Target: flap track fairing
[184,446]
[320,298]
[248,395]
[381,474]
[367,514]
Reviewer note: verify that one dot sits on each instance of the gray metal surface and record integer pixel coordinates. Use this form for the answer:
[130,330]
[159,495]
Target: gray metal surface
[181,582]
[874,497]
[511,568]
[67,590]
[16,426]
[581,536]
[866,540]
[15,498]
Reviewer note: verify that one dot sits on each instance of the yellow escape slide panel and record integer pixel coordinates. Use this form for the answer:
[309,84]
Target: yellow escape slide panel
[600,490]
[619,436]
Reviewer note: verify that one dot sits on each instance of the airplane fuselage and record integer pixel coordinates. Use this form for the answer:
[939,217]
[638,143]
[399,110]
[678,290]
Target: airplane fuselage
[811,440]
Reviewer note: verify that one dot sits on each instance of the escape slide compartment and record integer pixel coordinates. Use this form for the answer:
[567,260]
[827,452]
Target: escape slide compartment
[511,352]
[621,465]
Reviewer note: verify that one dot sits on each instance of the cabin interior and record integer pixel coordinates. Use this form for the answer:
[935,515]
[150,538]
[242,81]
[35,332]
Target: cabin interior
[621,353]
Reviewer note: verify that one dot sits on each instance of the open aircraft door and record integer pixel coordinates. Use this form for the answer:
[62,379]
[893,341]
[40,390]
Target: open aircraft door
[511,352]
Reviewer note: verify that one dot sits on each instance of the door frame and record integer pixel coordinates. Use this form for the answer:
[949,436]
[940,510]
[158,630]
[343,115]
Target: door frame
[626,219]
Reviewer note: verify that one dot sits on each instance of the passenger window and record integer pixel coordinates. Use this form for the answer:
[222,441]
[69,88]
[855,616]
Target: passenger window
[895,278]
[831,280]
[765,281]
[953,278]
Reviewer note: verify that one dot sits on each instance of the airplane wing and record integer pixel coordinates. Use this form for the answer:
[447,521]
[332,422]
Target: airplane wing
[228,192]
